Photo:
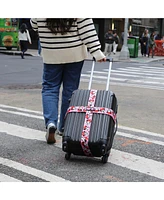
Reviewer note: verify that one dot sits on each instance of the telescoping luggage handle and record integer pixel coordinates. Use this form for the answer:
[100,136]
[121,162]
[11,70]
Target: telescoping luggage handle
[109,73]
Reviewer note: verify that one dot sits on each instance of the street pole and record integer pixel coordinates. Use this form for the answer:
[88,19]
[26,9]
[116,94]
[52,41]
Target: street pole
[124,54]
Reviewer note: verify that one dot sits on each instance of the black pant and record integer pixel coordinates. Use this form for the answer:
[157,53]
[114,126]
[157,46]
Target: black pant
[23,45]
[151,49]
[143,49]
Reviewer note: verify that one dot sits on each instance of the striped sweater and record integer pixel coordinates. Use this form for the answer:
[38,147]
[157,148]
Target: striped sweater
[70,47]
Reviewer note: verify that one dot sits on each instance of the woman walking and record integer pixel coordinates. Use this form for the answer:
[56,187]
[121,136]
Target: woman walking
[64,43]
[115,43]
[144,43]
[24,38]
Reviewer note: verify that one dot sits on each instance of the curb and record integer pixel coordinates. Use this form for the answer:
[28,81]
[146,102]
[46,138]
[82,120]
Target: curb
[14,53]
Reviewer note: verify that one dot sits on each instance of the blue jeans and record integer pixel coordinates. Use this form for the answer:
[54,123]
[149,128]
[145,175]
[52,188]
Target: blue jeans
[39,47]
[53,76]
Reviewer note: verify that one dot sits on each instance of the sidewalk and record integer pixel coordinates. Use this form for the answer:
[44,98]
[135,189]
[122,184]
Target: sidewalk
[139,59]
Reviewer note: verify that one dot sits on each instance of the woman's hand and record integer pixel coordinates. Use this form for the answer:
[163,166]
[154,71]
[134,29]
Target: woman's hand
[102,60]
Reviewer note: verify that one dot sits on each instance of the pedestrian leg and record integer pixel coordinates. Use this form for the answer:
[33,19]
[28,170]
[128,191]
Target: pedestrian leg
[106,49]
[71,79]
[147,48]
[21,48]
[110,48]
[39,48]
[24,48]
[115,48]
[142,48]
[152,52]
[52,79]
[148,51]
[114,43]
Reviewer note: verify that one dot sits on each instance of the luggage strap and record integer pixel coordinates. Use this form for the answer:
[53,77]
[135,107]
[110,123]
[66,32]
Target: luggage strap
[98,110]
[89,110]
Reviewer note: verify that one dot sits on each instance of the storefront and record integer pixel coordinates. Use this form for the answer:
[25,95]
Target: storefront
[9,33]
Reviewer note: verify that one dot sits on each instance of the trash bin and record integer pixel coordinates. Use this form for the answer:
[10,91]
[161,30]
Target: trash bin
[133,43]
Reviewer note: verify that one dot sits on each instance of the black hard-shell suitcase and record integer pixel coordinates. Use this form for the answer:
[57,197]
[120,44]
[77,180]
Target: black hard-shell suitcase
[90,123]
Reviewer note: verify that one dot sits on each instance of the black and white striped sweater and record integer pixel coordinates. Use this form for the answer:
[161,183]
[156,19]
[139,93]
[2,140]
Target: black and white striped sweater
[70,47]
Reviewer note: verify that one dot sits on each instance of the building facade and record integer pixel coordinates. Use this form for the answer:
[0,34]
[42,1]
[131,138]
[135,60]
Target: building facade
[136,26]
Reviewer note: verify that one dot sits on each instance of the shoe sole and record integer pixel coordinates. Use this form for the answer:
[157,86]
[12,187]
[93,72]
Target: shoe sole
[51,136]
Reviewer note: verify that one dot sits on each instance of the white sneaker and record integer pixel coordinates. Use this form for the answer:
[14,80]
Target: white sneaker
[50,135]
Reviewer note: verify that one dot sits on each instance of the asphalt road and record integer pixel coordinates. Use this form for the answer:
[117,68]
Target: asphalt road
[16,72]
[137,153]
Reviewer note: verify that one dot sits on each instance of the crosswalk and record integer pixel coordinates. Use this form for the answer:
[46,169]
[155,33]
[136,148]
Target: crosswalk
[134,151]
[142,76]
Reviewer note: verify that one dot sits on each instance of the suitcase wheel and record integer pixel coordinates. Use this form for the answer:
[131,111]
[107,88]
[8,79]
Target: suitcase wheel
[103,149]
[65,146]
[104,159]
[67,156]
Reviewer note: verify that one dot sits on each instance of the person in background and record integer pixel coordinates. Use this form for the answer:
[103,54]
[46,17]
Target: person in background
[109,39]
[157,37]
[116,41]
[122,37]
[151,44]
[24,38]
[146,33]
[64,44]
[144,43]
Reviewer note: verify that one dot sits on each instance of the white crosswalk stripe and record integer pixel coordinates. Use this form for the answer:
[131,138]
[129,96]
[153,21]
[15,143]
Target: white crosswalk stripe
[29,170]
[5,178]
[134,162]
[137,76]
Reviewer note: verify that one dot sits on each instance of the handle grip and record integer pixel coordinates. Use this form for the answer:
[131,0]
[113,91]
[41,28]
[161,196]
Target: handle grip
[110,60]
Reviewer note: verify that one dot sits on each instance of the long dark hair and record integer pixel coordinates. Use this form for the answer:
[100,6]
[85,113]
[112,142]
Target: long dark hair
[23,28]
[59,25]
